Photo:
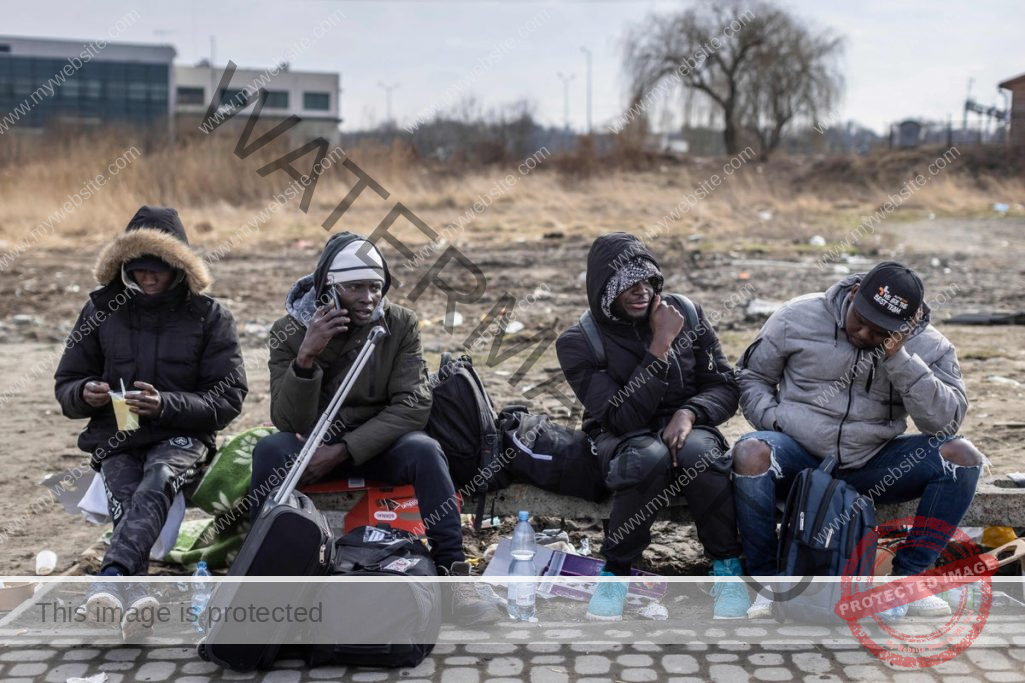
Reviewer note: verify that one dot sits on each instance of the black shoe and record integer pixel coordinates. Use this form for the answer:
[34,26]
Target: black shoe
[460,601]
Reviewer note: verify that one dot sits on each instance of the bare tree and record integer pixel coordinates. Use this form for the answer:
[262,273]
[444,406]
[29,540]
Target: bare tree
[723,51]
[795,74]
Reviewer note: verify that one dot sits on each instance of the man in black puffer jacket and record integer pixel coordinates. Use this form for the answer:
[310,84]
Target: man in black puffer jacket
[659,378]
[150,326]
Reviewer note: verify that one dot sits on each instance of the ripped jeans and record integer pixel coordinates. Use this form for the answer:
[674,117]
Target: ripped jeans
[946,490]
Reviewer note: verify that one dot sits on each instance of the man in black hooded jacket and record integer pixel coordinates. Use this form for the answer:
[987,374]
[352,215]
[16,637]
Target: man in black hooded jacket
[151,327]
[658,378]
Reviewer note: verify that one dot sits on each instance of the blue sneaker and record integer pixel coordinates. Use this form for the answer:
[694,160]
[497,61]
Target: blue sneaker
[731,598]
[894,614]
[608,600]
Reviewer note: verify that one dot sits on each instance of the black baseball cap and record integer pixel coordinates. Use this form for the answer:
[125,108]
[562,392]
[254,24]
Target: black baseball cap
[148,262]
[889,296]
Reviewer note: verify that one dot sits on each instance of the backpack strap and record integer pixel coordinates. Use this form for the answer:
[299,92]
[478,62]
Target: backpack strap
[592,335]
[593,338]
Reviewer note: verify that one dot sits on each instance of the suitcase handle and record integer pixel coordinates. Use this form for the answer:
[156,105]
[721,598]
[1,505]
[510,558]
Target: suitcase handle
[324,422]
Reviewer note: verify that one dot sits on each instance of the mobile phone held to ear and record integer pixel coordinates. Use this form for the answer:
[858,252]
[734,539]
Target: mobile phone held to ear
[334,295]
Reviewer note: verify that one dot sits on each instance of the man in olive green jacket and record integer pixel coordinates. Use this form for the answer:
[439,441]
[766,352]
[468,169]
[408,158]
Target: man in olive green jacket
[378,433]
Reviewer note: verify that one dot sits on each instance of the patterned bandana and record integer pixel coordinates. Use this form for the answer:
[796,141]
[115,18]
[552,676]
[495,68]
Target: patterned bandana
[626,277]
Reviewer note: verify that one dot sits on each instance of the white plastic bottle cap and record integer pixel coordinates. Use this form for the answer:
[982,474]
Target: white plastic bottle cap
[46,562]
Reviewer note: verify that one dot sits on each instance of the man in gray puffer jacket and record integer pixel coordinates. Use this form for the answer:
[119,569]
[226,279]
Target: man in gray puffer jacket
[837,374]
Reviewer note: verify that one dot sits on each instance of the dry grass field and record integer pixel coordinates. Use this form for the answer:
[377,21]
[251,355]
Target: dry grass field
[750,234]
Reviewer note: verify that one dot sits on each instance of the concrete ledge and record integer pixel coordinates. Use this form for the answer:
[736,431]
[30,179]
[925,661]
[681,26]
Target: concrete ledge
[995,504]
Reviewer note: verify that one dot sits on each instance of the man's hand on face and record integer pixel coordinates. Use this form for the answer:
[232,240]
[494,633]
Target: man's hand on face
[96,394]
[666,323]
[674,436]
[145,402]
[327,322]
[897,339]
[324,460]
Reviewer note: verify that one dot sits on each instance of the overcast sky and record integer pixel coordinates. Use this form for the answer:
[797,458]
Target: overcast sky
[903,59]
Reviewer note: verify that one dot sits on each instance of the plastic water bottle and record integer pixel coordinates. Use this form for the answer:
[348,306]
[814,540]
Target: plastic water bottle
[200,595]
[524,543]
[522,595]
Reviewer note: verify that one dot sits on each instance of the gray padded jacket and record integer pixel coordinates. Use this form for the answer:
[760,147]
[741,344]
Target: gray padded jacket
[801,376]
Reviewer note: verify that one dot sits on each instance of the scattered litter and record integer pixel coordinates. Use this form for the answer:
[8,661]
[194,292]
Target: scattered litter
[585,547]
[761,308]
[582,276]
[453,319]
[46,562]
[817,241]
[840,269]
[1001,208]
[23,319]
[932,216]
[988,319]
[935,262]
[765,215]
[555,235]
[514,327]
[562,547]
[549,536]
[696,237]
[997,379]
[744,276]
[1018,478]
[303,244]
[98,678]
[654,611]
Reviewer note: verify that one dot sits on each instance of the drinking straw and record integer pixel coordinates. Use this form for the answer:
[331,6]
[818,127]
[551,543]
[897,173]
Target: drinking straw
[123,392]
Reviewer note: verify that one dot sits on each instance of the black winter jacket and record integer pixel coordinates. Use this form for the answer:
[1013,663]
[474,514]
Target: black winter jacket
[635,390]
[182,342]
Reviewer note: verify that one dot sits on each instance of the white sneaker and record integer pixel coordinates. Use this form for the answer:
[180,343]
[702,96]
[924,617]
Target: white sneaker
[761,608]
[929,606]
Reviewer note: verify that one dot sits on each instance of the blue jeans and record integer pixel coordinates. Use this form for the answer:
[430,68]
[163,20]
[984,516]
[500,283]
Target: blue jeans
[945,489]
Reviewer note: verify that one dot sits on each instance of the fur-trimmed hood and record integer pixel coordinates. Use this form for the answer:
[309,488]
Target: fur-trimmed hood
[158,231]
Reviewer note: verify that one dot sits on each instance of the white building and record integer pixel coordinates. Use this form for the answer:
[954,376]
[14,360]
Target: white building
[312,96]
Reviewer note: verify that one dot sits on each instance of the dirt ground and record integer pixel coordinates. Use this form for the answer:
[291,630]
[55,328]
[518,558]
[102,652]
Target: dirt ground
[978,262]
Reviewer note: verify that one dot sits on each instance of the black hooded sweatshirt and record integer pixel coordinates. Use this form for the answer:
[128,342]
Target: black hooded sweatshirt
[182,342]
[636,390]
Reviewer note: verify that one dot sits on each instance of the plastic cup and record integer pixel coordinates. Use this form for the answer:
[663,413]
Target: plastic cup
[126,420]
[46,562]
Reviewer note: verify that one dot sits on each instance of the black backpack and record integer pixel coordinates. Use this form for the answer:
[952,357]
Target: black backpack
[550,456]
[392,624]
[464,422]
[824,522]
[592,335]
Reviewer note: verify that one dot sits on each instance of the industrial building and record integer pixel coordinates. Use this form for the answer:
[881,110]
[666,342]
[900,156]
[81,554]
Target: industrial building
[312,96]
[1017,117]
[44,81]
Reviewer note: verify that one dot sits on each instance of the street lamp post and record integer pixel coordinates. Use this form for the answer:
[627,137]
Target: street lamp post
[565,97]
[587,52]
[387,98]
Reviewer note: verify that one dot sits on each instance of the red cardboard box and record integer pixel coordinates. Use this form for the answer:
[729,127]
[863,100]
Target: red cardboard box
[395,506]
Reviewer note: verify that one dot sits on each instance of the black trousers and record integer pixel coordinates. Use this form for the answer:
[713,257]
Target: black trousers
[414,458]
[141,485]
[702,477]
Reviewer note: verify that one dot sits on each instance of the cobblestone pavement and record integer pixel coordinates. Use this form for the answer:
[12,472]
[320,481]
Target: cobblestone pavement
[611,654]
[689,646]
